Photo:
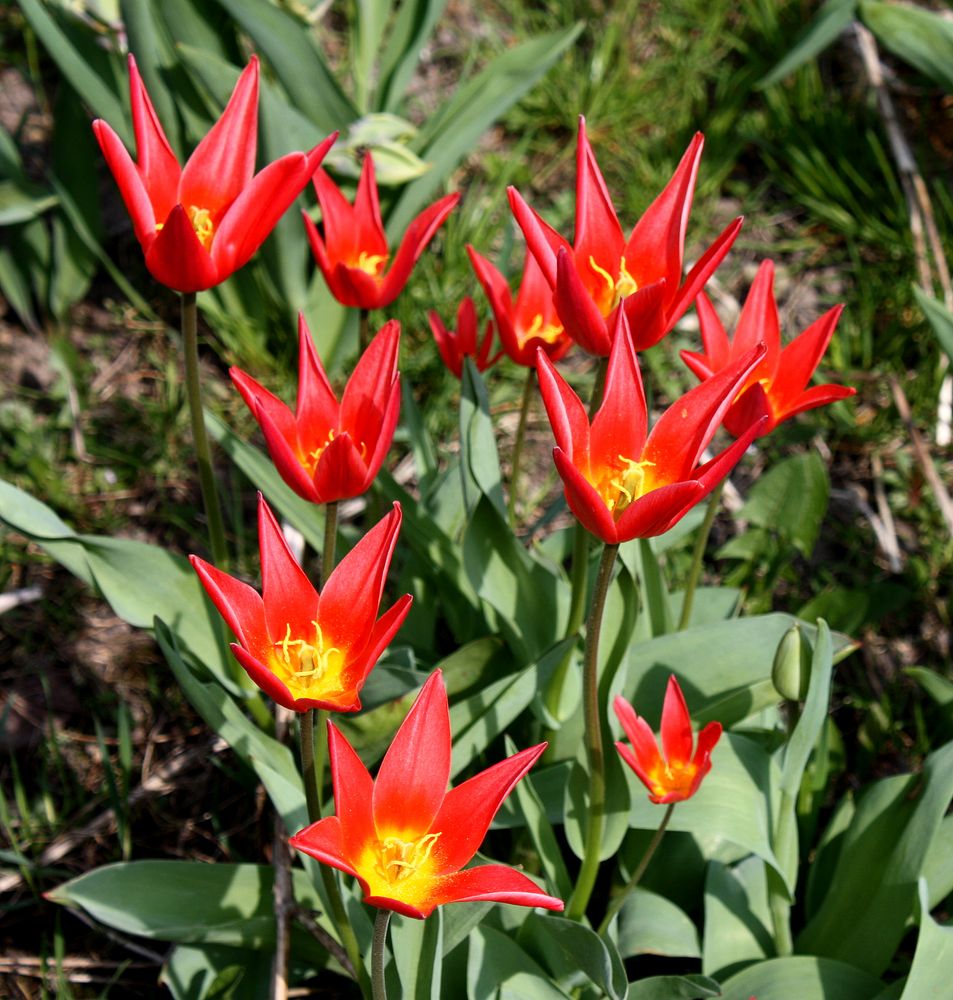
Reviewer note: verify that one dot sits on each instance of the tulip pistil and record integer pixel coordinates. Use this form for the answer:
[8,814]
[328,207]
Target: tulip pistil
[201,219]
[372,263]
[622,484]
[399,859]
[550,333]
[618,288]
[674,776]
[313,661]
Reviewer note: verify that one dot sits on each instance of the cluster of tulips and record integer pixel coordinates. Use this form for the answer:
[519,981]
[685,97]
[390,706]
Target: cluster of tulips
[403,835]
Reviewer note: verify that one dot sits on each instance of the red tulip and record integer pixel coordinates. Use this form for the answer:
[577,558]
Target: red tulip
[454,346]
[404,836]
[199,223]
[304,649]
[353,251]
[620,483]
[776,389]
[602,272]
[326,450]
[529,323]
[675,773]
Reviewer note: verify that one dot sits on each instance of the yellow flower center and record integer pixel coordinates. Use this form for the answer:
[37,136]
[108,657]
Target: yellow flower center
[312,458]
[549,333]
[201,220]
[307,665]
[617,288]
[372,263]
[672,776]
[398,860]
[620,484]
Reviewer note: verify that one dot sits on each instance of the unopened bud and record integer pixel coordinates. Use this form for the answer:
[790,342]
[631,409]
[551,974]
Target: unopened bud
[791,672]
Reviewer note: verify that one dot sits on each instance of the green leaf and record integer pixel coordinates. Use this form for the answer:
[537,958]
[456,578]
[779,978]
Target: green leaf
[408,34]
[833,18]
[941,319]
[932,969]
[737,917]
[567,948]
[499,969]
[802,976]
[674,988]
[650,924]
[459,920]
[417,947]
[368,32]
[299,64]
[192,972]
[938,865]
[920,37]
[791,500]
[457,125]
[479,461]
[21,201]
[873,891]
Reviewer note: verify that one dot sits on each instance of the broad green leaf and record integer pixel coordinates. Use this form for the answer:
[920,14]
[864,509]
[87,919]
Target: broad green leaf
[737,917]
[459,920]
[417,947]
[872,894]
[941,319]
[455,128]
[920,37]
[618,802]
[711,604]
[833,18]
[200,23]
[307,517]
[21,201]
[650,924]
[367,31]
[78,67]
[191,972]
[16,288]
[479,461]
[938,866]
[932,969]
[409,32]
[567,948]
[188,901]
[802,976]
[299,64]
[499,969]
[674,988]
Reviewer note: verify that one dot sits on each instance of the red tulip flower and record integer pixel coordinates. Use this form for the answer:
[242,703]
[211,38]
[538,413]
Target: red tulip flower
[455,345]
[776,389]
[529,323]
[620,483]
[353,252]
[403,835]
[602,272]
[304,649]
[326,450]
[675,773]
[199,223]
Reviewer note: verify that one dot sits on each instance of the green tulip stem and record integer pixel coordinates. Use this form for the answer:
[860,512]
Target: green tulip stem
[203,454]
[698,555]
[518,443]
[312,791]
[330,540]
[377,955]
[364,330]
[594,747]
[630,886]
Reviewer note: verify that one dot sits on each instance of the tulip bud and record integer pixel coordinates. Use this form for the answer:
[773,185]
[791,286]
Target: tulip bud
[791,672]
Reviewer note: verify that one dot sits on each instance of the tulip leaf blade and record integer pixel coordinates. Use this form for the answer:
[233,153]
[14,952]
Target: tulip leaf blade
[674,988]
[498,967]
[806,977]
[412,26]
[833,18]
[738,927]
[940,318]
[479,459]
[651,924]
[195,971]
[920,37]
[932,968]
[417,947]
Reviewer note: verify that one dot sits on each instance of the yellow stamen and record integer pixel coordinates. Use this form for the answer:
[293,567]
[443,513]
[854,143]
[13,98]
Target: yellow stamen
[372,263]
[310,461]
[311,660]
[622,484]
[673,776]
[618,288]
[399,859]
[550,332]
[201,220]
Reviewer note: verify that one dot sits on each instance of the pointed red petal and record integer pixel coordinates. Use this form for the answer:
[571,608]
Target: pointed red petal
[697,364]
[320,254]
[325,842]
[598,233]
[758,322]
[349,601]
[257,397]
[577,310]
[419,233]
[491,883]
[498,294]
[714,337]
[568,416]
[369,391]
[176,257]
[468,809]
[712,472]
[317,412]
[584,501]
[802,356]
[131,185]
[645,311]
[619,428]
[705,267]
[240,605]
[339,224]
[290,600]
[385,628]
[353,793]
[157,164]
[412,780]
[265,678]
[446,344]
[676,730]
[275,426]
[224,161]
[818,395]
[367,212]
[543,241]
[656,511]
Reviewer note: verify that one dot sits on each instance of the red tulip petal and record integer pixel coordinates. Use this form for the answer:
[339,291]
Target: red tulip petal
[818,395]
[317,412]
[584,501]
[131,186]
[543,241]
[257,396]
[320,253]
[758,323]
[577,310]
[353,794]
[340,225]
[367,212]
[490,883]
[176,257]
[467,326]
[224,161]
[568,416]
[748,409]
[645,311]
[468,809]
[341,471]
[707,739]
[412,780]
[157,164]
[369,391]
[698,276]
[620,426]
[656,511]
[656,246]
[446,344]
[385,628]
[351,595]
[274,425]
[697,364]
[598,234]
[325,842]
[240,605]
[802,356]
[712,472]
[290,600]
[419,233]
[265,678]
[714,337]
[676,731]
